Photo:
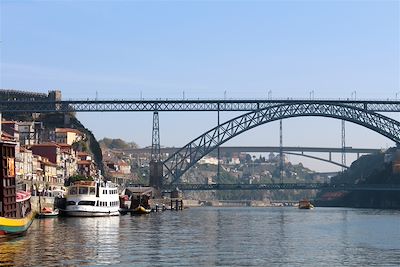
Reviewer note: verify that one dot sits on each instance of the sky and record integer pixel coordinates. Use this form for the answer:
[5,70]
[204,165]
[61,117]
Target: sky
[206,49]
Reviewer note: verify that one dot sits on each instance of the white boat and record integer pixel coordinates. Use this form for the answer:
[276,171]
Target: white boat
[92,199]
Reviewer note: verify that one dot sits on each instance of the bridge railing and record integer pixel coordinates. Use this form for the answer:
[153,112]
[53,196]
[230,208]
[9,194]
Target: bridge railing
[182,105]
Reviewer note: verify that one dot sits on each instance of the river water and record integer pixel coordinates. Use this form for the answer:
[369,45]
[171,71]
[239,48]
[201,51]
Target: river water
[213,237]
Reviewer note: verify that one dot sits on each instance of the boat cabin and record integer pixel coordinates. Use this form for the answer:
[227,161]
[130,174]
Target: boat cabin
[91,193]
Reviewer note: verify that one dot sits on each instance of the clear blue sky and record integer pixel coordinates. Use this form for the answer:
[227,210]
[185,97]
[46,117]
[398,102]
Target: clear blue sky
[121,49]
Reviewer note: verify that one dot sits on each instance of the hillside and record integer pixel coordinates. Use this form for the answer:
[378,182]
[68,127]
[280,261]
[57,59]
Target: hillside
[57,120]
[368,169]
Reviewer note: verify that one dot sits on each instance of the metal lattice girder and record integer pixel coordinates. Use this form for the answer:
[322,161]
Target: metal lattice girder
[181,105]
[155,143]
[179,162]
[294,186]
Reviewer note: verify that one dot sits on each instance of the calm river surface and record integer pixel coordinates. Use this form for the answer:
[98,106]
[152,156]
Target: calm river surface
[214,237]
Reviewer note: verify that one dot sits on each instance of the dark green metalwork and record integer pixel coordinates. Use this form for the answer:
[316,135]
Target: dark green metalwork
[182,105]
[179,162]
[293,186]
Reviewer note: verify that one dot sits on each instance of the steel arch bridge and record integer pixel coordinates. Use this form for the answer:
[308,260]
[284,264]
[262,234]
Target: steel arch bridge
[179,162]
[316,158]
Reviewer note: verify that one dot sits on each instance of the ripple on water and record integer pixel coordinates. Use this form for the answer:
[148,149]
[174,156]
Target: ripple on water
[213,237]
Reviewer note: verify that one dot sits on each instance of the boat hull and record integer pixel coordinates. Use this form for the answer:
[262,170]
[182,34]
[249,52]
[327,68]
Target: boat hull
[140,210]
[84,213]
[15,226]
[90,214]
[47,215]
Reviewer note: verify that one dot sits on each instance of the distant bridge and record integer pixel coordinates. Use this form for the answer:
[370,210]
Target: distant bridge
[290,150]
[281,186]
[261,149]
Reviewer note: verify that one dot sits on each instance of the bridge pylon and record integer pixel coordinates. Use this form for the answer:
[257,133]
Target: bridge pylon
[156,165]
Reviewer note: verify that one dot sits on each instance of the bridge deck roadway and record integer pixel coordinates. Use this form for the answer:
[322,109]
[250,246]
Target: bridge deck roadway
[182,105]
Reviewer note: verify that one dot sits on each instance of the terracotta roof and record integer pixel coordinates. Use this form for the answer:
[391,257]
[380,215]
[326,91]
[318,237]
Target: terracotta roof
[84,162]
[65,130]
[83,154]
[24,149]
[49,163]
[7,137]
[46,145]
[63,145]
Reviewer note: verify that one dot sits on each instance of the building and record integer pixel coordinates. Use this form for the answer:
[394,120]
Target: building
[68,135]
[234,161]
[11,129]
[208,160]
[30,132]
[86,165]
[52,151]
[68,161]
[24,167]
[50,178]
[8,183]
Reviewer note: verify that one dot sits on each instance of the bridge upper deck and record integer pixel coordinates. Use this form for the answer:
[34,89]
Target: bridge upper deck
[182,105]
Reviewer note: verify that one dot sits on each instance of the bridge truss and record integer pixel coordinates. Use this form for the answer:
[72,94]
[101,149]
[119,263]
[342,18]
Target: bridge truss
[182,105]
[179,162]
[285,186]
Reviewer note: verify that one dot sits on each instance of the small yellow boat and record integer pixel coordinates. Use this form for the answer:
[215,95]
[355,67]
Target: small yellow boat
[140,210]
[15,226]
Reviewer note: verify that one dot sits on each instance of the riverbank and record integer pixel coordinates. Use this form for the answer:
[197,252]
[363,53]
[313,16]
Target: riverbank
[360,199]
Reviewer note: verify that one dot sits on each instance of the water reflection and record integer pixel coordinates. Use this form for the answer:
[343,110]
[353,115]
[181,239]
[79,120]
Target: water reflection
[213,237]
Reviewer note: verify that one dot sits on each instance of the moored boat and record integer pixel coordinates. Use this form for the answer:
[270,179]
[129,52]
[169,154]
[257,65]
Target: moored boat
[92,199]
[15,207]
[305,204]
[17,225]
[48,213]
[140,210]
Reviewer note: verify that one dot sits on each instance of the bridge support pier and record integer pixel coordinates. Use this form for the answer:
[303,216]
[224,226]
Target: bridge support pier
[156,174]
[156,165]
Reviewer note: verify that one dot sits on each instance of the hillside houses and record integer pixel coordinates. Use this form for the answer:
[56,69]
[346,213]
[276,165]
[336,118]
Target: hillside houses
[45,161]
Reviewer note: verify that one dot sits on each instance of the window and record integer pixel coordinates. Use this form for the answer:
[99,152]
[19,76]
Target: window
[72,191]
[86,203]
[71,203]
[83,190]
[92,191]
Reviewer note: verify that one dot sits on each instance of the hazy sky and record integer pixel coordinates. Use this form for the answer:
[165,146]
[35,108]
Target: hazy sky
[202,49]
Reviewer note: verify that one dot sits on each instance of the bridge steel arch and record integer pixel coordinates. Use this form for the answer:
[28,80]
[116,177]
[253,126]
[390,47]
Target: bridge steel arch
[317,158]
[179,162]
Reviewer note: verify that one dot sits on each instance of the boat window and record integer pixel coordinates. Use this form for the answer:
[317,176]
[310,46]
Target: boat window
[83,190]
[70,203]
[86,203]
[72,191]
[92,191]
